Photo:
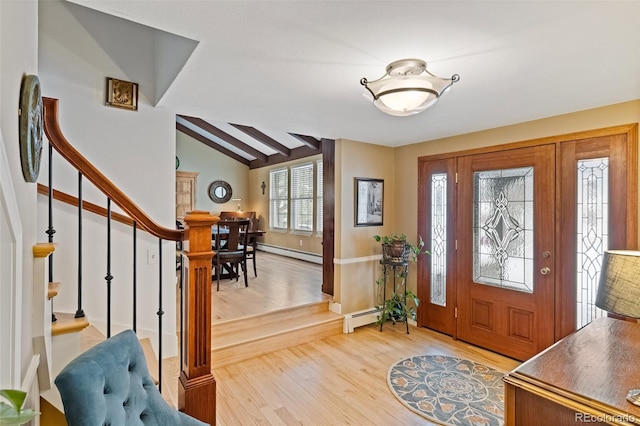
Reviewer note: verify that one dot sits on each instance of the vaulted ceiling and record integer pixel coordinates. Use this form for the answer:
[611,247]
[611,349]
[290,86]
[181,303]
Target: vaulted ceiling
[249,145]
[294,67]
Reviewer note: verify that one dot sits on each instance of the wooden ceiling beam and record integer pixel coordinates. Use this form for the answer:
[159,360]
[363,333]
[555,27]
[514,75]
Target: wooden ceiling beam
[296,154]
[265,139]
[309,141]
[197,136]
[231,140]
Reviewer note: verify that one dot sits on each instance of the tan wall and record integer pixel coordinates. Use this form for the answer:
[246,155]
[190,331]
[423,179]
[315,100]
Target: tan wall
[259,203]
[356,252]
[406,157]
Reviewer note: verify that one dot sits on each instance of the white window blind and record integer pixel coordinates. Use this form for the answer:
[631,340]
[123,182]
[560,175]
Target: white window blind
[319,197]
[302,198]
[278,198]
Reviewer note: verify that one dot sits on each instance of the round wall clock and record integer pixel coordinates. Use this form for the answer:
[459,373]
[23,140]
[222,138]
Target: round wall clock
[219,191]
[30,124]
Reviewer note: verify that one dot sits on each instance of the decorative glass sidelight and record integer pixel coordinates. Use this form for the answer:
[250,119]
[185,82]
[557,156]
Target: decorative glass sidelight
[592,234]
[503,228]
[439,239]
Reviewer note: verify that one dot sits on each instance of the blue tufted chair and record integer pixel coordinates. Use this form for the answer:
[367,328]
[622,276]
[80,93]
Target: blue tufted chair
[110,385]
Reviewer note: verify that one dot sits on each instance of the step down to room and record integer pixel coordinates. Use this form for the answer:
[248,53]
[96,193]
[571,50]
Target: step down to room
[239,339]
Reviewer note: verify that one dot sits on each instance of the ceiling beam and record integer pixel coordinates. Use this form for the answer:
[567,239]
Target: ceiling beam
[197,136]
[296,154]
[309,141]
[265,139]
[208,127]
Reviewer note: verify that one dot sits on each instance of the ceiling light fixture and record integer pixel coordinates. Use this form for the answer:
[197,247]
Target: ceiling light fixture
[407,88]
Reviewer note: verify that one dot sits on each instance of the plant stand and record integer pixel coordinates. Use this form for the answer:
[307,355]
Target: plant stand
[397,268]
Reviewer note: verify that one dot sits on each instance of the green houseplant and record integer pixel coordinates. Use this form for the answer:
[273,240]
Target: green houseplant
[13,413]
[396,253]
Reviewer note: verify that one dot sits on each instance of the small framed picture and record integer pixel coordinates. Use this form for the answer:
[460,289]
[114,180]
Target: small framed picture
[122,94]
[369,202]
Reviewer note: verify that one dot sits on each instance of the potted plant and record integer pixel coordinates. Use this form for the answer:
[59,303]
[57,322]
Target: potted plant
[402,302]
[13,413]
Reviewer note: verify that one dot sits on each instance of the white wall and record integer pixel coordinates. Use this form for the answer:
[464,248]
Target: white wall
[18,53]
[135,150]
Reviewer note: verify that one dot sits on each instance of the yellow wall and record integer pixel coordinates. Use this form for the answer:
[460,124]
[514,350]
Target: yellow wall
[356,252]
[259,203]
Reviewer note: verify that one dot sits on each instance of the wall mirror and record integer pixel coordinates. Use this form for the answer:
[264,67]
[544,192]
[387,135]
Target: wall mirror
[220,191]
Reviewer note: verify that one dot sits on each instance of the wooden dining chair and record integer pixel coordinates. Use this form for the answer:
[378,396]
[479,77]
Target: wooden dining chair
[230,247]
[253,241]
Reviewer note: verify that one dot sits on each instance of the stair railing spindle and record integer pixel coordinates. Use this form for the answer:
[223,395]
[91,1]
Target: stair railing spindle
[79,311]
[135,276]
[160,314]
[50,231]
[180,342]
[108,277]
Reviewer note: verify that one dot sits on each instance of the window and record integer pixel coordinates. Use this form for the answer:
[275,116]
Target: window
[302,198]
[319,192]
[295,198]
[278,198]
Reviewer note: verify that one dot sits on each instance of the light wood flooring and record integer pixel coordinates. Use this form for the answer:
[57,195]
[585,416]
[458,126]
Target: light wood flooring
[339,380]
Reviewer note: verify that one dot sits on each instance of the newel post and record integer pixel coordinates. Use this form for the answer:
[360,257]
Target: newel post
[197,389]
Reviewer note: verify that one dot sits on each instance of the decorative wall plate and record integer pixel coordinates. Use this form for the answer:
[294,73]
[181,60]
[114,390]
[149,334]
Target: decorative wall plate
[30,125]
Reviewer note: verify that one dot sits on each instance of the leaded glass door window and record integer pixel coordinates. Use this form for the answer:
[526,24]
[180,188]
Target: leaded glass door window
[503,228]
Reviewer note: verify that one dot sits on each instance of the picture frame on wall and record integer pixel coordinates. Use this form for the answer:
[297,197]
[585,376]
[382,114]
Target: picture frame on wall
[369,201]
[122,94]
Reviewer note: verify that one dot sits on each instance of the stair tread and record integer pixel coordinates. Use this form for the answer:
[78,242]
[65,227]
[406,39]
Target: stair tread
[67,323]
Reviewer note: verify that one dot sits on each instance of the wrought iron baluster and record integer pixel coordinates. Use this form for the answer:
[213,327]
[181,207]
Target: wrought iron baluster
[135,276]
[79,311]
[50,231]
[108,277]
[160,314]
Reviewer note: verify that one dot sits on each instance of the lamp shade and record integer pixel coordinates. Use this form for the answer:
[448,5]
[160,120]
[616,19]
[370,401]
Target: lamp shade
[619,288]
[407,88]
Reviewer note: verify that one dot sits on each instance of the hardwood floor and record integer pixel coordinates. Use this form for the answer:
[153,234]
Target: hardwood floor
[338,380]
[281,283]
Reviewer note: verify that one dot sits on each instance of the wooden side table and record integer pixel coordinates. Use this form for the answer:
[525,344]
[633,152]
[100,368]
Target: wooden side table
[582,379]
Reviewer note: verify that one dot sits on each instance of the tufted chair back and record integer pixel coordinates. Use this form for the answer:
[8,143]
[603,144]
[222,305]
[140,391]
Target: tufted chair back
[110,385]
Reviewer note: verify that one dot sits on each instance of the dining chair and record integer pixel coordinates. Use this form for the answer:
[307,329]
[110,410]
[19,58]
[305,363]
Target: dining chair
[230,247]
[252,243]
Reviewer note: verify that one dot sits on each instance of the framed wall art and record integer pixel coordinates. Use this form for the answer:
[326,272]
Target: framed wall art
[369,201]
[122,94]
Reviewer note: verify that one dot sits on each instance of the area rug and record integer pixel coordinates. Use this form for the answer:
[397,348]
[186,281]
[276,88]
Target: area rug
[448,390]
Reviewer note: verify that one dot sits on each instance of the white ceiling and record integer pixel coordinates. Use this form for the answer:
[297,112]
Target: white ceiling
[295,66]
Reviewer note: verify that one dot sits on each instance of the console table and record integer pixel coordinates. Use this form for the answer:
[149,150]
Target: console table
[582,379]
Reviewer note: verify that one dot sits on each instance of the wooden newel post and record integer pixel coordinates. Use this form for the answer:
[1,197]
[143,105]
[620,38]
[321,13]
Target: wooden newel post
[197,389]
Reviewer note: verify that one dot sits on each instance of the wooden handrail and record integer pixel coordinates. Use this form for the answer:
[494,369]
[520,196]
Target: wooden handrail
[77,160]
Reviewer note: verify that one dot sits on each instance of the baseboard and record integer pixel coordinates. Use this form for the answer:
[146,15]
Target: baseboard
[296,254]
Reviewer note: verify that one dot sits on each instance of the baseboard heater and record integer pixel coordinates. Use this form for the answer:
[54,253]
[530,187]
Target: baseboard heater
[360,318]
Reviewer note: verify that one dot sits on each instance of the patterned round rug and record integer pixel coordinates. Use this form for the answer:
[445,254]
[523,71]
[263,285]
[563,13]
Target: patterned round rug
[448,390]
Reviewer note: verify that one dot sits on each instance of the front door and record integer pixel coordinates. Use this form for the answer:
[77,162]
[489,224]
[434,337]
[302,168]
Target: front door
[505,250]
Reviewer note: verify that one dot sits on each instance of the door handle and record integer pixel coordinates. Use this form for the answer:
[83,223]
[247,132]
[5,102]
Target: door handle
[545,271]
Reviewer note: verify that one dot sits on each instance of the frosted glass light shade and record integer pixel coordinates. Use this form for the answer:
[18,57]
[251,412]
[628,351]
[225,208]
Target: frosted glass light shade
[407,88]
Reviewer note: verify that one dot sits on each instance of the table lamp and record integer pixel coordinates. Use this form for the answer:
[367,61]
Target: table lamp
[619,290]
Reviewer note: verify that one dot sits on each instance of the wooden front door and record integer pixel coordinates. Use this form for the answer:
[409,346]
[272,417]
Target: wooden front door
[505,250]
